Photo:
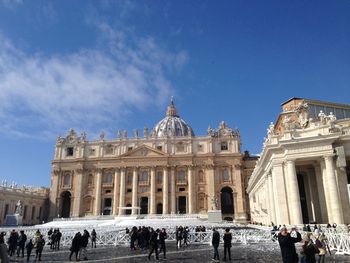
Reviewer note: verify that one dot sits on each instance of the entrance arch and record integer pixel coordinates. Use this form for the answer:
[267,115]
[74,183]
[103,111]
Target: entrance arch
[66,203]
[227,201]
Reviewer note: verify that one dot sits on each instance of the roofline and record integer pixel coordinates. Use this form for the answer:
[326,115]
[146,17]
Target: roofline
[317,102]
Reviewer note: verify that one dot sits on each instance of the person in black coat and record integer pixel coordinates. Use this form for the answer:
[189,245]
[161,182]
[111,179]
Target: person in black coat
[287,244]
[154,243]
[215,242]
[162,236]
[12,242]
[76,243]
[84,240]
[227,243]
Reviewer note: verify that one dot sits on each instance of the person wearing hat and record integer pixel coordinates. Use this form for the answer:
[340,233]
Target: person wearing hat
[287,242]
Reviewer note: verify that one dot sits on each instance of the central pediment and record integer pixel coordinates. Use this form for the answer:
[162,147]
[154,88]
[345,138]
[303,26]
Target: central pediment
[144,151]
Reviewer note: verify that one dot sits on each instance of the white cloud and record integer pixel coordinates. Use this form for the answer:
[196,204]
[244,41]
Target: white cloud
[11,4]
[43,95]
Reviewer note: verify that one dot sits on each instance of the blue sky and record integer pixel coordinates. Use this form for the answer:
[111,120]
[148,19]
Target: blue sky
[109,65]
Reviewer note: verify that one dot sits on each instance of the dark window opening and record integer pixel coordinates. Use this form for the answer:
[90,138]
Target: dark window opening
[129,190]
[70,151]
[159,189]
[181,189]
[108,191]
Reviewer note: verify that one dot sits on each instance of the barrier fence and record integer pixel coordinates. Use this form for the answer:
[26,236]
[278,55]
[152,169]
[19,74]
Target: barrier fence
[338,242]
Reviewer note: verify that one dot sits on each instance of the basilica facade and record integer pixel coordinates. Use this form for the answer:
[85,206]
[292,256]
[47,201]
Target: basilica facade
[303,173]
[167,170]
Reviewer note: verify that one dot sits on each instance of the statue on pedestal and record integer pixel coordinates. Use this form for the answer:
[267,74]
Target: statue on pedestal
[19,208]
[214,203]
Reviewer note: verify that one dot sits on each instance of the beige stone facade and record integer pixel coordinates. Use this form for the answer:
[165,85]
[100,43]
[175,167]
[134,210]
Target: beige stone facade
[303,172]
[166,171]
[35,205]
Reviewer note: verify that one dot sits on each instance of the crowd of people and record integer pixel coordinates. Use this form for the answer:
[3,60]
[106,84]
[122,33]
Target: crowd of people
[18,243]
[313,243]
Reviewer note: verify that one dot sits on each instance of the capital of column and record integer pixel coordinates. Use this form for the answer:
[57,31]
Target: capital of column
[290,161]
[328,157]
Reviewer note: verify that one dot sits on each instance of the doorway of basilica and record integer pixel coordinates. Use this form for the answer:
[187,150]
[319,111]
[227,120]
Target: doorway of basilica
[159,208]
[66,203]
[227,208]
[107,206]
[182,204]
[144,205]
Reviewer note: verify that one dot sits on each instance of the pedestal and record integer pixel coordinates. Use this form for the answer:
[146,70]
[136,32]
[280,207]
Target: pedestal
[13,220]
[214,216]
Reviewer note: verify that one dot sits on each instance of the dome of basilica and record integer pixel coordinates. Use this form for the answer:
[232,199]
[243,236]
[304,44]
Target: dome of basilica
[172,125]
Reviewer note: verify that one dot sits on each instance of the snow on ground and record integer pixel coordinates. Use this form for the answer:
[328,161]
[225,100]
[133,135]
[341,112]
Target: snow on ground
[123,222]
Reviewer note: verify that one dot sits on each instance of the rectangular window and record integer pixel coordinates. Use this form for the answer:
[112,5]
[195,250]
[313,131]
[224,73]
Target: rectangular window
[181,177]
[143,177]
[159,177]
[129,149]
[159,190]
[224,146]
[108,178]
[128,190]
[70,151]
[225,175]
[159,148]
[108,191]
[129,179]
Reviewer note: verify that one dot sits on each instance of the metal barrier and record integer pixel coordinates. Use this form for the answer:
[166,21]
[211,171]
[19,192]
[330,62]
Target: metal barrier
[116,236]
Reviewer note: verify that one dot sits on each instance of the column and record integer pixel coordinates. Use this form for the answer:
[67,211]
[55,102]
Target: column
[78,185]
[210,186]
[281,206]
[153,192]
[333,190]
[165,191]
[134,192]
[54,194]
[190,190]
[240,192]
[116,191]
[271,199]
[172,191]
[122,192]
[321,190]
[296,215]
[97,211]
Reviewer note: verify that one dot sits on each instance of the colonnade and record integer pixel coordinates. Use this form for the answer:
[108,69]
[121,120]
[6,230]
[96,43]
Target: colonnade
[284,202]
[120,191]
